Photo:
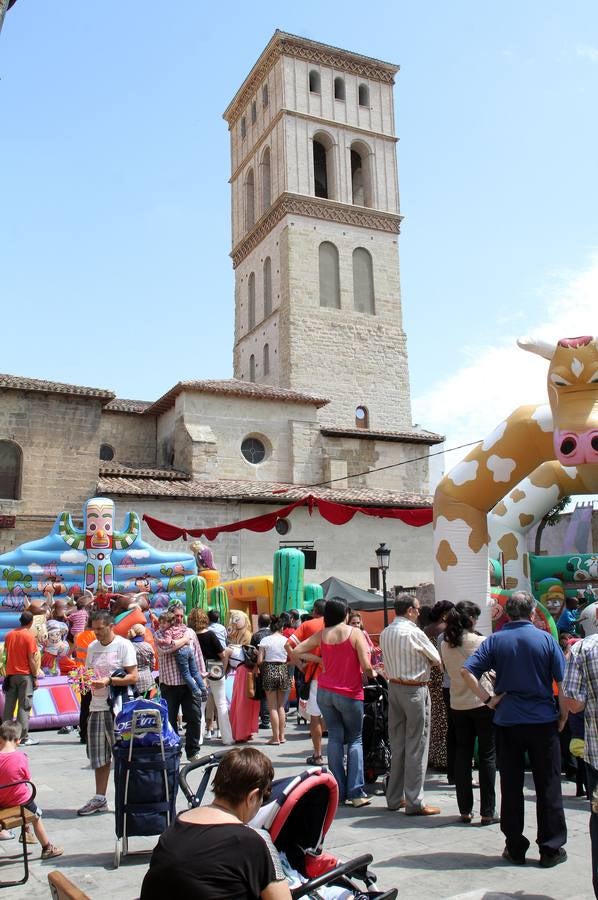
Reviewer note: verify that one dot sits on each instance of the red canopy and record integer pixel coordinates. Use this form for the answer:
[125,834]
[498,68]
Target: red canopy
[335,513]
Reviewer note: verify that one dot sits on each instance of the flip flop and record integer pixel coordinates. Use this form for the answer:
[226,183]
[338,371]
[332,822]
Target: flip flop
[314,760]
[7,835]
[273,743]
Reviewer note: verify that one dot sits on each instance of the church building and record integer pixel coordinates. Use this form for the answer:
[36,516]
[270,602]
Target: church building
[320,399]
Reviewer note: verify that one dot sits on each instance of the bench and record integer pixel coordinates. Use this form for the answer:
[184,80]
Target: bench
[62,888]
[17,817]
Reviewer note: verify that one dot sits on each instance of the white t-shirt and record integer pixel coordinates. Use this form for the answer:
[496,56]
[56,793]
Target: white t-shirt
[273,646]
[118,654]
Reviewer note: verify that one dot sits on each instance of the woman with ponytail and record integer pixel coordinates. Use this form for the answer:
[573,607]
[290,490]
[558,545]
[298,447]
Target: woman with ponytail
[472,718]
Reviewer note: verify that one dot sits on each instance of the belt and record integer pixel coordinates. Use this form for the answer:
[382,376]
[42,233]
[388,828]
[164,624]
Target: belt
[410,683]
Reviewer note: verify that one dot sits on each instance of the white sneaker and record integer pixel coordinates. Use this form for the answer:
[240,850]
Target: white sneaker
[93,806]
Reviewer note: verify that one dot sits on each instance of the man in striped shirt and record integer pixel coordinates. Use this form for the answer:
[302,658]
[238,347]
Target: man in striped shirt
[408,659]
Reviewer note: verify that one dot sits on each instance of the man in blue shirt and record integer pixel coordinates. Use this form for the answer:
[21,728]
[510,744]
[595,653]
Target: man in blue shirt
[528,719]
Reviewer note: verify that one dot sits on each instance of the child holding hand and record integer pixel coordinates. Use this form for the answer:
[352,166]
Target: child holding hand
[14,766]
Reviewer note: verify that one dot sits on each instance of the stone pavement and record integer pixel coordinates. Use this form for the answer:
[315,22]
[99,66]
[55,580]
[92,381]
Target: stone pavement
[425,858]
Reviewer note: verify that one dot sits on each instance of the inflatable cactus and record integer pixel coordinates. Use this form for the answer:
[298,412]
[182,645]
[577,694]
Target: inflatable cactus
[311,593]
[219,601]
[289,565]
[195,594]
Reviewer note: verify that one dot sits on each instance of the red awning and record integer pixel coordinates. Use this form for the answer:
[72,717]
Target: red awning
[335,513]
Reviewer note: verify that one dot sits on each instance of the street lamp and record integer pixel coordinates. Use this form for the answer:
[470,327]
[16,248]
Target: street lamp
[383,557]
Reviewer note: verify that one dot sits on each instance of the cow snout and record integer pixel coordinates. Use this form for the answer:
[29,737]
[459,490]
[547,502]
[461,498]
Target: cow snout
[574,449]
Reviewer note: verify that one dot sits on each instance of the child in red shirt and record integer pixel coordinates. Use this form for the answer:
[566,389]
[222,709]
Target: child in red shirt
[14,766]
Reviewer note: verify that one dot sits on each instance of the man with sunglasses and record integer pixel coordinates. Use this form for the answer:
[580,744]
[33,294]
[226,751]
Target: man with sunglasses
[408,659]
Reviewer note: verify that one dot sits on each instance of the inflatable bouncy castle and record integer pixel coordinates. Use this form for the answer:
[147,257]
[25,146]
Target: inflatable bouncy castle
[97,558]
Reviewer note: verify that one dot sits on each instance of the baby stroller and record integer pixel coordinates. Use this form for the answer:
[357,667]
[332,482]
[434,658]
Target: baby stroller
[376,748]
[298,814]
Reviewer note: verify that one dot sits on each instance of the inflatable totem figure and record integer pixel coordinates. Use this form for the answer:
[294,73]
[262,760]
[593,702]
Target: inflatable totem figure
[539,454]
[98,539]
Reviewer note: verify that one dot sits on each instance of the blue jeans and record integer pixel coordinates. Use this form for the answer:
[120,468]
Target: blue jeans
[187,664]
[344,720]
[592,785]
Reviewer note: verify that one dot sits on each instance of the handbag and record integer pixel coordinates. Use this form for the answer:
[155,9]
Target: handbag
[250,686]
[304,690]
[215,669]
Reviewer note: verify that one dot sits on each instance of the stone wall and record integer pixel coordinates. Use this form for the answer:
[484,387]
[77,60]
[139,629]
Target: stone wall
[132,436]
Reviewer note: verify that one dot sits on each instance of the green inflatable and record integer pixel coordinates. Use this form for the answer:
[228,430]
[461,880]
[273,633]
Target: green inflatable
[311,593]
[289,565]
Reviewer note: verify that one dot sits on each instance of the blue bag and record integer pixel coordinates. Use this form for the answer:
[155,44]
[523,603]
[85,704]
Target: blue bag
[124,720]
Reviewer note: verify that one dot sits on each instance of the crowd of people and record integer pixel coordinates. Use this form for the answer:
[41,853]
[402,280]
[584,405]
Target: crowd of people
[515,699]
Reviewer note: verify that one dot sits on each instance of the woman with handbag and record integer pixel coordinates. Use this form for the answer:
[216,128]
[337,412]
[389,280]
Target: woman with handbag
[244,711]
[471,717]
[273,663]
[216,660]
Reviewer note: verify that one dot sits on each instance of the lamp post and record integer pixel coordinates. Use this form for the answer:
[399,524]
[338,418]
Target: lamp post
[383,557]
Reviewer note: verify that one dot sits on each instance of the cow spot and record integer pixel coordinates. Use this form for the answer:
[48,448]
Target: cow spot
[571,471]
[494,436]
[463,472]
[517,495]
[501,467]
[525,519]
[500,509]
[526,565]
[511,582]
[543,477]
[508,544]
[445,556]
[543,417]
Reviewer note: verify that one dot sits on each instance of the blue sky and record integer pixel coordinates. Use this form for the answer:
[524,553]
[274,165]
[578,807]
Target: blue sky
[114,200]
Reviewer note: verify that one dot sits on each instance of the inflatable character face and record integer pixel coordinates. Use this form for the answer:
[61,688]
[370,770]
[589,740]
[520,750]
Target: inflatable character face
[573,395]
[552,596]
[99,524]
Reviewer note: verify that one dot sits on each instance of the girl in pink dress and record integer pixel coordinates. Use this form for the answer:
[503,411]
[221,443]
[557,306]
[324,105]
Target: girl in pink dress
[244,713]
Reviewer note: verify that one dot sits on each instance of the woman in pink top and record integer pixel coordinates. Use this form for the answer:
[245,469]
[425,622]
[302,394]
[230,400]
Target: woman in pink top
[345,658]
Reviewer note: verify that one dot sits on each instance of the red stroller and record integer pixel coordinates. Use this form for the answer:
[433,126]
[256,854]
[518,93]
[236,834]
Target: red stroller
[297,816]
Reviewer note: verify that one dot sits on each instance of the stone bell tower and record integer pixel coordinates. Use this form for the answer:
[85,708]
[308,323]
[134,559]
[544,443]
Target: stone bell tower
[315,224]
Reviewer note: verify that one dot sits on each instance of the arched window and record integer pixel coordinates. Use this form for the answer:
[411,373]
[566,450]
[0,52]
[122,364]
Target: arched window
[106,453]
[11,462]
[251,302]
[252,367]
[361,183]
[314,81]
[253,112]
[266,192]
[363,281]
[267,275]
[330,283]
[364,95]
[243,127]
[323,155]
[362,417]
[249,200]
[266,365]
[339,88]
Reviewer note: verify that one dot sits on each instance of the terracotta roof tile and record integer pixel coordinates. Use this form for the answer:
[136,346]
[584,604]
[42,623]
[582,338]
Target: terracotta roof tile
[236,388]
[255,491]
[119,469]
[127,406]
[20,383]
[409,436]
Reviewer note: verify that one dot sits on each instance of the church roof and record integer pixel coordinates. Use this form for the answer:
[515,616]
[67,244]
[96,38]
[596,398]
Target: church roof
[37,385]
[136,485]
[234,387]
[409,436]
[127,406]
[120,469]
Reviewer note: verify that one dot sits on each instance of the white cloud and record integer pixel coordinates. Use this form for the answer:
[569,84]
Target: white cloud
[588,52]
[73,556]
[34,569]
[138,554]
[468,404]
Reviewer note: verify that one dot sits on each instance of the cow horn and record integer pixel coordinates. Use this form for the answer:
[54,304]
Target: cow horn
[541,348]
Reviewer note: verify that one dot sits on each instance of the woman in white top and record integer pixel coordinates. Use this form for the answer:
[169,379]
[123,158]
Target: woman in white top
[273,663]
[471,717]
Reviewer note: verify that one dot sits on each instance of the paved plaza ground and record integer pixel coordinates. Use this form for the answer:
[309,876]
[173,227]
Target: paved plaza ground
[425,858]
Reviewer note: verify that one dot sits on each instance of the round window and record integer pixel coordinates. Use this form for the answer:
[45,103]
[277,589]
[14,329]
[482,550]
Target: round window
[106,453]
[253,450]
[283,526]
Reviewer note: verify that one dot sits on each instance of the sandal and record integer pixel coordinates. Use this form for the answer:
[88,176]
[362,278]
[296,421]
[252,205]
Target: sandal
[50,851]
[314,760]
[29,838]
